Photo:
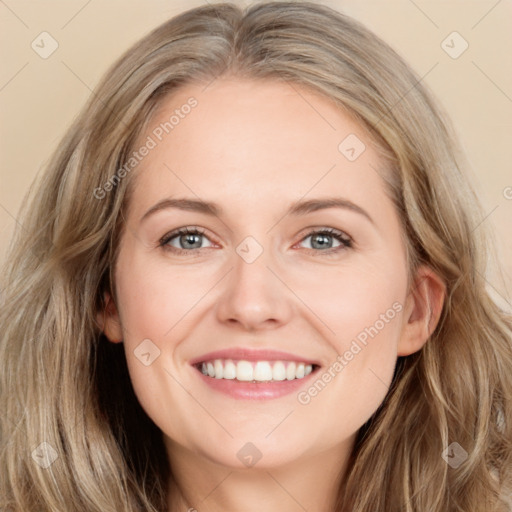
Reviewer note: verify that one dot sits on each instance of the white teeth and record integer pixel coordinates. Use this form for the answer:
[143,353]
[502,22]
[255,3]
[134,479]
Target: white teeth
[290,371]
[219,369]
[279,371]
[260,371]
[229,370]
[244,371]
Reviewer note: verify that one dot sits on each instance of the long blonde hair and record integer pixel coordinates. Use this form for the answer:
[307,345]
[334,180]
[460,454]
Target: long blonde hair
[63,384]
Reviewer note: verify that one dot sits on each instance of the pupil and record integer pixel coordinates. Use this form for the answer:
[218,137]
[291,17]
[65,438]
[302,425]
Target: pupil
[190,238]
[323,239]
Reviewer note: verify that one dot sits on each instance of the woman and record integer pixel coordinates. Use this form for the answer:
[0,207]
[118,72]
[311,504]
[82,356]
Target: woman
[325,342]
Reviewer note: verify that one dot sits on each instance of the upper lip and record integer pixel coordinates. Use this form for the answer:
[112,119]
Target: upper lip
[248,354]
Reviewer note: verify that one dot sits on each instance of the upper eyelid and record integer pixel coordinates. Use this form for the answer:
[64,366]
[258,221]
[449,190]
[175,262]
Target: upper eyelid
[305,233]
[185,229]
[339,233]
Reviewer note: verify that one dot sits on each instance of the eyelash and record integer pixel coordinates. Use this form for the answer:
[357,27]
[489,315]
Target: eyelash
[345,240]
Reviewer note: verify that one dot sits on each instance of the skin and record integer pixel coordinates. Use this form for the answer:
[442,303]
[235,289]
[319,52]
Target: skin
[255,147]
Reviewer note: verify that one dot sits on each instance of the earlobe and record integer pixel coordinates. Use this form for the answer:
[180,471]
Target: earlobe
[423,310]
[108,320]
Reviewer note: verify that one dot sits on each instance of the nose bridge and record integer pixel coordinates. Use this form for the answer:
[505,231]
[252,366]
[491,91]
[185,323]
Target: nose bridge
[252,295]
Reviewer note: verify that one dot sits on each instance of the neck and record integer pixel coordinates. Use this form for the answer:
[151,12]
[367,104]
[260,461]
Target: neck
[307,483]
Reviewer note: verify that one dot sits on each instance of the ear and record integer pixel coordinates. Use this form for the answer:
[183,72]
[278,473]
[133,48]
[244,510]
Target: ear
[108,320]
[422,310]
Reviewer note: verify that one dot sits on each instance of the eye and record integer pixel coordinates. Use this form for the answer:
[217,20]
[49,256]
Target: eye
[325,240]
[188,240]
[184,240]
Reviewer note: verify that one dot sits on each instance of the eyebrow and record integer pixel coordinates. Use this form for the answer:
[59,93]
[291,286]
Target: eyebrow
[301,207]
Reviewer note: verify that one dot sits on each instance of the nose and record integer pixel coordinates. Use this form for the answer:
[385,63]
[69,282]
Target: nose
[254,295]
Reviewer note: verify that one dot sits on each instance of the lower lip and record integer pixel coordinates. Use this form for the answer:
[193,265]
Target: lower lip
[255,390]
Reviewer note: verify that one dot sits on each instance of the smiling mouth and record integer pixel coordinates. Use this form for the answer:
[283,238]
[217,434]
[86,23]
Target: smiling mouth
[255,371]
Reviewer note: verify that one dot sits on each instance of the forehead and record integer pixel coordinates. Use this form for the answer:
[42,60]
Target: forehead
[257,140]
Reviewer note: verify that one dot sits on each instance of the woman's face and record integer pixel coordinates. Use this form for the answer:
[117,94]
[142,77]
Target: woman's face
[316,319]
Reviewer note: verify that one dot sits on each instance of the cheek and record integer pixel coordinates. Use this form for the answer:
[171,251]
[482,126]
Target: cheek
[347,392]
[363,312]
[156,307]
[350,299]
[155,300]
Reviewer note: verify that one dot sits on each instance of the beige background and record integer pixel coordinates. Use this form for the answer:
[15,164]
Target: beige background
[39,97]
